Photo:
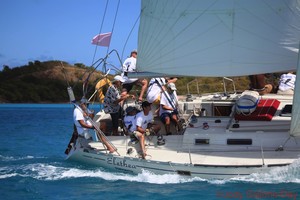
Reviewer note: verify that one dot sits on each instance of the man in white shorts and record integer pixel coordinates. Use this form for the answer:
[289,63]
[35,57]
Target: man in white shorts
[168,108]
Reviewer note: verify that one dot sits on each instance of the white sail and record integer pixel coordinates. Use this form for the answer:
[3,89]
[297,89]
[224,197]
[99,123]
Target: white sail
[295,123]
[218,37]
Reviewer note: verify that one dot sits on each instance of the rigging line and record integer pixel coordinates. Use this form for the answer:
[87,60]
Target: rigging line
[87,71]
[171,99]
[85,82]
[115,19]
[97,129]
[112,30]
[103,61]
[137,19]
[104,14]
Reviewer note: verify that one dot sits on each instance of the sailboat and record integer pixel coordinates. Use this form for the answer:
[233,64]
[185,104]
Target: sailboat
[214,38]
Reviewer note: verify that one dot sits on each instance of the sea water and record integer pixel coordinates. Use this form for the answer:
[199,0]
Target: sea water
[33,166]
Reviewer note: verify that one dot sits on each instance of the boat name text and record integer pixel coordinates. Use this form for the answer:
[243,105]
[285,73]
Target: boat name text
[119,162]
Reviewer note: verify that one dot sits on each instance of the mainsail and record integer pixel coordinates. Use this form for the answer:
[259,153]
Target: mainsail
[295,123]
[218,38]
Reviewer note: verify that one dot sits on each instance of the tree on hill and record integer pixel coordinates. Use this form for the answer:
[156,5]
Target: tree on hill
[41,82]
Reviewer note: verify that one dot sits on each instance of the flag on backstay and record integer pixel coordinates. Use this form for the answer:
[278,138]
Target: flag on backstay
[102,39]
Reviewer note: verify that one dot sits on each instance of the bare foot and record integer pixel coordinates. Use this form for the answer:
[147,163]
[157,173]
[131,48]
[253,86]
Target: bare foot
[144,155]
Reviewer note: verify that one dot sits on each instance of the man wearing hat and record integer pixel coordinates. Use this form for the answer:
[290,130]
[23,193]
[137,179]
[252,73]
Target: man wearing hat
[144,121]
[112,102]
[130,118]
[168,107]
[130,122]
[129,66]
[80,120]
[82,123]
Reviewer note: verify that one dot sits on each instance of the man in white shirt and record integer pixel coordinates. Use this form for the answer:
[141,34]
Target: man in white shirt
[129,66]
[80,117]
[130,118]
[154,89]
[287,84]
[144,121]
[130,122]
[168,107]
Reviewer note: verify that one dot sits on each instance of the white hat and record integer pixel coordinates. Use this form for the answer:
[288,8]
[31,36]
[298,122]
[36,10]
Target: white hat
[118,78]
[134,51]
[172,86]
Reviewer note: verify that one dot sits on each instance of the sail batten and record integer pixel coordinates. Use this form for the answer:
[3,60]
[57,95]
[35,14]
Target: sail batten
[218,38]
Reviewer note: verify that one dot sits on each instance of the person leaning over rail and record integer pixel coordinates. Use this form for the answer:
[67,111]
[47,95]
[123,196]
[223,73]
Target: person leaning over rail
[80,117]
[129,66]
[168,108]
[112,101]
[155,89]
[144,123]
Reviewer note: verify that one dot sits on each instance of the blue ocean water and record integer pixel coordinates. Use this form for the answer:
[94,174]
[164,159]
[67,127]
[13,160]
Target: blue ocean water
[33,166]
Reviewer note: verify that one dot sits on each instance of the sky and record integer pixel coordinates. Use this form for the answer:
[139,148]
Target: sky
[63,29]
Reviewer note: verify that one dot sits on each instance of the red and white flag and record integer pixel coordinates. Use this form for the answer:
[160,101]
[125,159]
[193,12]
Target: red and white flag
[102,39]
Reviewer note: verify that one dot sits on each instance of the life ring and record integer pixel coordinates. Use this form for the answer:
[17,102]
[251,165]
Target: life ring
[102,87]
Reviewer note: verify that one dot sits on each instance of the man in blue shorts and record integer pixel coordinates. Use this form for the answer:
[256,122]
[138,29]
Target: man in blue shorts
[168,107]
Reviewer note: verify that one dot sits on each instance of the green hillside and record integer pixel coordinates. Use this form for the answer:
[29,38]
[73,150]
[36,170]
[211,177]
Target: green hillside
[46,82]
[42,82]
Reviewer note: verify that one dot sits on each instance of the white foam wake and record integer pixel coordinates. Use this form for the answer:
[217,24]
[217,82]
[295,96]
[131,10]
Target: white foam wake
[287,174]
[50,172]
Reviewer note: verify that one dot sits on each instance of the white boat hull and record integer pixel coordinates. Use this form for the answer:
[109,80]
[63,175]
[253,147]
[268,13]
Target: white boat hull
[216,164]
[137,165]
[225,148]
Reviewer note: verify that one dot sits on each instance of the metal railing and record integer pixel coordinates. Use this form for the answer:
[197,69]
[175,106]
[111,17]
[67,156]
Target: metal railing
[225,79]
